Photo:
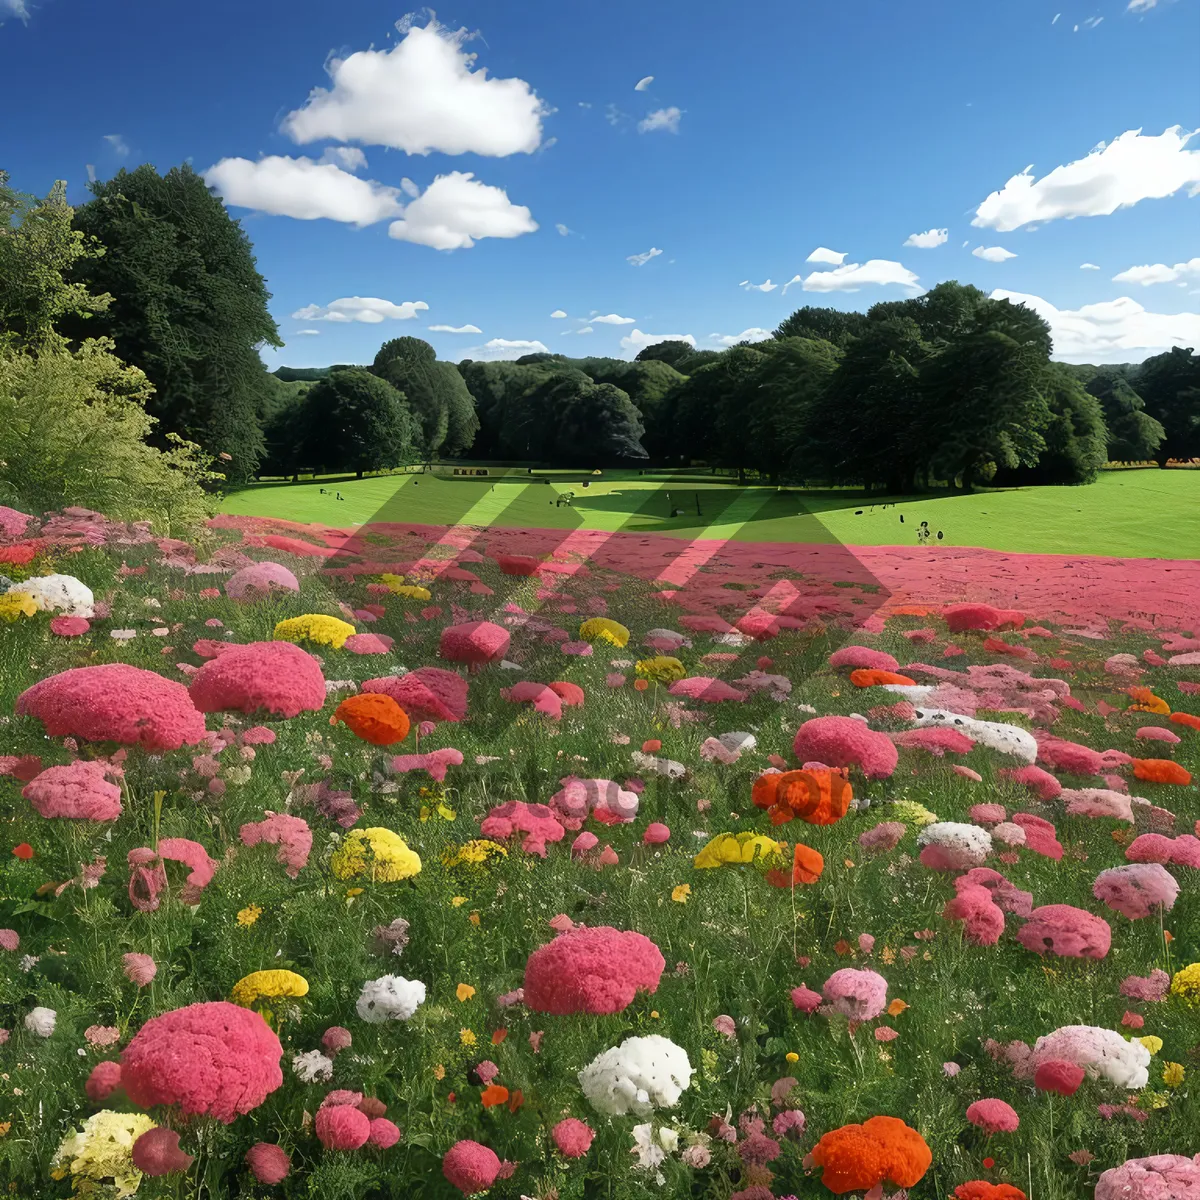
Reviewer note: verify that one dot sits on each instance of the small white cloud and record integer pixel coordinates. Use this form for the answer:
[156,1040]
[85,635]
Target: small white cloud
[637,340]
[666,119]
[1088,267]
[1112,331]
[91,172]
[614,319]
[303,189]
[1056,16]
[993,254]
[584,104]
[558,314]
[823,254]
[349,158]
[1160,273]
[369,310]
[456,210]
[747,335]
[928,240]
[455,329]
[876,272]
[1092,22]
[1115,175]
[768,286]
[643,84]
[573,332]
[505,348]
[307,333]
[14,8]
[640,260]
[118,143]
[1140,6]
[424,94]
[563,231]
[613,115]
[409,188]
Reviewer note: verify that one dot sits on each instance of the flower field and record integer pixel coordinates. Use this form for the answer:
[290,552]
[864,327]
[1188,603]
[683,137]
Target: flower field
[439,861]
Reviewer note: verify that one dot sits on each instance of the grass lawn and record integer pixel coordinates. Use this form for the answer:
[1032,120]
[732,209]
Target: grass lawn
[1144,514]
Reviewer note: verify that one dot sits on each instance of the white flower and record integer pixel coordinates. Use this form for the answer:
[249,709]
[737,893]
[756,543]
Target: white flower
[41,1021]
[59,593]
[966,845]
[28,962]
[312,1066]
[1004,739]
[639,1075]
[1102,1053]
[122,635]
[390,998]
[650,1154]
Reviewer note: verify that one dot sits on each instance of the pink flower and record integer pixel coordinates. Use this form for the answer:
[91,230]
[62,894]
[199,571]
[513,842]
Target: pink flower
[476,642]
[69,627]
[341,1127]
[846,742]
[572,1137]
[103,1081]
[10,939]
[1065,931]
[274,677]
[140,968]
[805,999]
[471,1167]
[993,1116]
[384,1133]
[614,679]
[594,970]
[656,833]
[724,1026]
[536,821]
[884,836]
[982,918]
[950,1069]
[291,834]
[257,581]
[1137,890]
[885,1033]
[336,1039]
[157,1152]
[853,658]
[102,1035]
[789,1123]
[1161,1176]
[426,694]
[435,762]
[268,1163]
[1151,988]
[858,995]
[1056,1075]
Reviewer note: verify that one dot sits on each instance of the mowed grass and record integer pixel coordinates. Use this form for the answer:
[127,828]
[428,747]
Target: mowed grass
[1126,514]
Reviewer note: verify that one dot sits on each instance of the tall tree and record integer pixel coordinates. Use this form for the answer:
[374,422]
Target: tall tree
[1133,434]
[598,424]
[435,392]
[670,352]
[189,305]
[1170,385]
[823,324]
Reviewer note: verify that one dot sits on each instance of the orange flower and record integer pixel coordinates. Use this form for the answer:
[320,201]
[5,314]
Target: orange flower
[464,992]
[896,1008]
[865,678]
[1146,701]
[375,718]
[23,851]
[1187,719]
[857,1157]
[498,1035]
[493,1094]
[818,797]
[640,685]
[807,866]
[842,947]
[1160,770]
[516,1100]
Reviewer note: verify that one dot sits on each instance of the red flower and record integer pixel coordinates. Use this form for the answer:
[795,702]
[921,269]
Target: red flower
[989,1163]
[23,851]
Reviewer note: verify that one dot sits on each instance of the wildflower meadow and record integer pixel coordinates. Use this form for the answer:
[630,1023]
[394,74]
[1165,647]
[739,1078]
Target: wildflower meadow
[449,861]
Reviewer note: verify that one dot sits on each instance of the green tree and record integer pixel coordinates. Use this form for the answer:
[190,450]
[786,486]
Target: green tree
[189,305]
[823,325]
[355,421]
[670,352]
[597,424]
[1170,385]
[706,407]
[1133,434]
[434,391]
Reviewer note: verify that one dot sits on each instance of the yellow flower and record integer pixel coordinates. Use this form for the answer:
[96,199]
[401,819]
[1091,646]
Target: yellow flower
[248,915]
[681,893]
[654,1014]
[102,1151]
[913,813]
[262,985]
[464,992]
[443,810]
[1186,984]
[473,918]
[473,854]
[314,627]
[352,892]
[662,668]
[792,1056]
[17,604]
[439,1072]
[457,901]
[1173,1074]
[601,629]
[1152,1043]
[382,853]
[737,848]
[396,585]
[467,1037]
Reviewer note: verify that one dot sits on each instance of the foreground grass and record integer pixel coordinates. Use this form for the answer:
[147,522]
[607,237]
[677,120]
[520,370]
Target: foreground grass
[1125,514]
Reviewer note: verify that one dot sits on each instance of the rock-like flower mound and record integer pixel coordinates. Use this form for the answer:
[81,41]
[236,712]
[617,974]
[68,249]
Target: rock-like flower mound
[638,1076]
[378,853]
[374,717]
[115,703]
[536,821]
[1066,931]
[272,677]
[1138,890]
[291,834]
[881,1150]
[390,998]
[80,790]
[592,970]
[58,593]
[1159,1177]
[1102,1053]
[604,629]
[475,642]
[426,694]
[314,627]
[259,580]
[471,1167]
[212,1059]
[858,995]
[846,742]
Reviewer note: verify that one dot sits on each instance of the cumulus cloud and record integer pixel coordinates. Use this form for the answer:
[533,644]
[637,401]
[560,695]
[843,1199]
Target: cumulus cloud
[369,310]
[422,95]
[993,254]
[637,340]
[822,254]
[563,231]
[1160,273]
[768,286]
[1113,331]
[455,329]
[505,348]
[643,83]
[1088,267]
[640,260]
[303,189]
[457,209]
[666,119]
[747,335]
[349,158]
[928,240]
[14,8]
[1115,175]
[875,272]
[117,142]
[613,319]
[558,314]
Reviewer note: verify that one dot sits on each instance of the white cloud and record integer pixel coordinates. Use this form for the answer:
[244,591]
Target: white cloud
[504,348]
[115,140]
[563,231]
[307,333]
[613,115]
[993,254]
[349,158]
[369,310]
[929,239]
[1160,273]
[1091,22]
[613,319]
[640,260]
[661,118]
[875,272]
[1112,331]
[1114,175]
[558,314]
[768,286]
[91,172]
[747,335]
[457,209]
[455,329]
[643,84]
[1136,6]
[824,255]
[409,188]
[637,340]
[303,189]
[573,332]
[1056,16]
[421,95]
[14,8]
[1088,267]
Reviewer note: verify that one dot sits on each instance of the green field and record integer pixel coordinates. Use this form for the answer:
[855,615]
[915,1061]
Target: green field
[1143,513]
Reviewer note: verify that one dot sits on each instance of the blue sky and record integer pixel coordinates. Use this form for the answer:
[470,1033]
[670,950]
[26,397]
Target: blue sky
[768,131]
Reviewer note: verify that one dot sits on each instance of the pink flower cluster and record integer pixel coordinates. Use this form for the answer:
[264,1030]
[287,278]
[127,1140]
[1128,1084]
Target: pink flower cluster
[274,677]
[591,970]
[81,790]
[291,834]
